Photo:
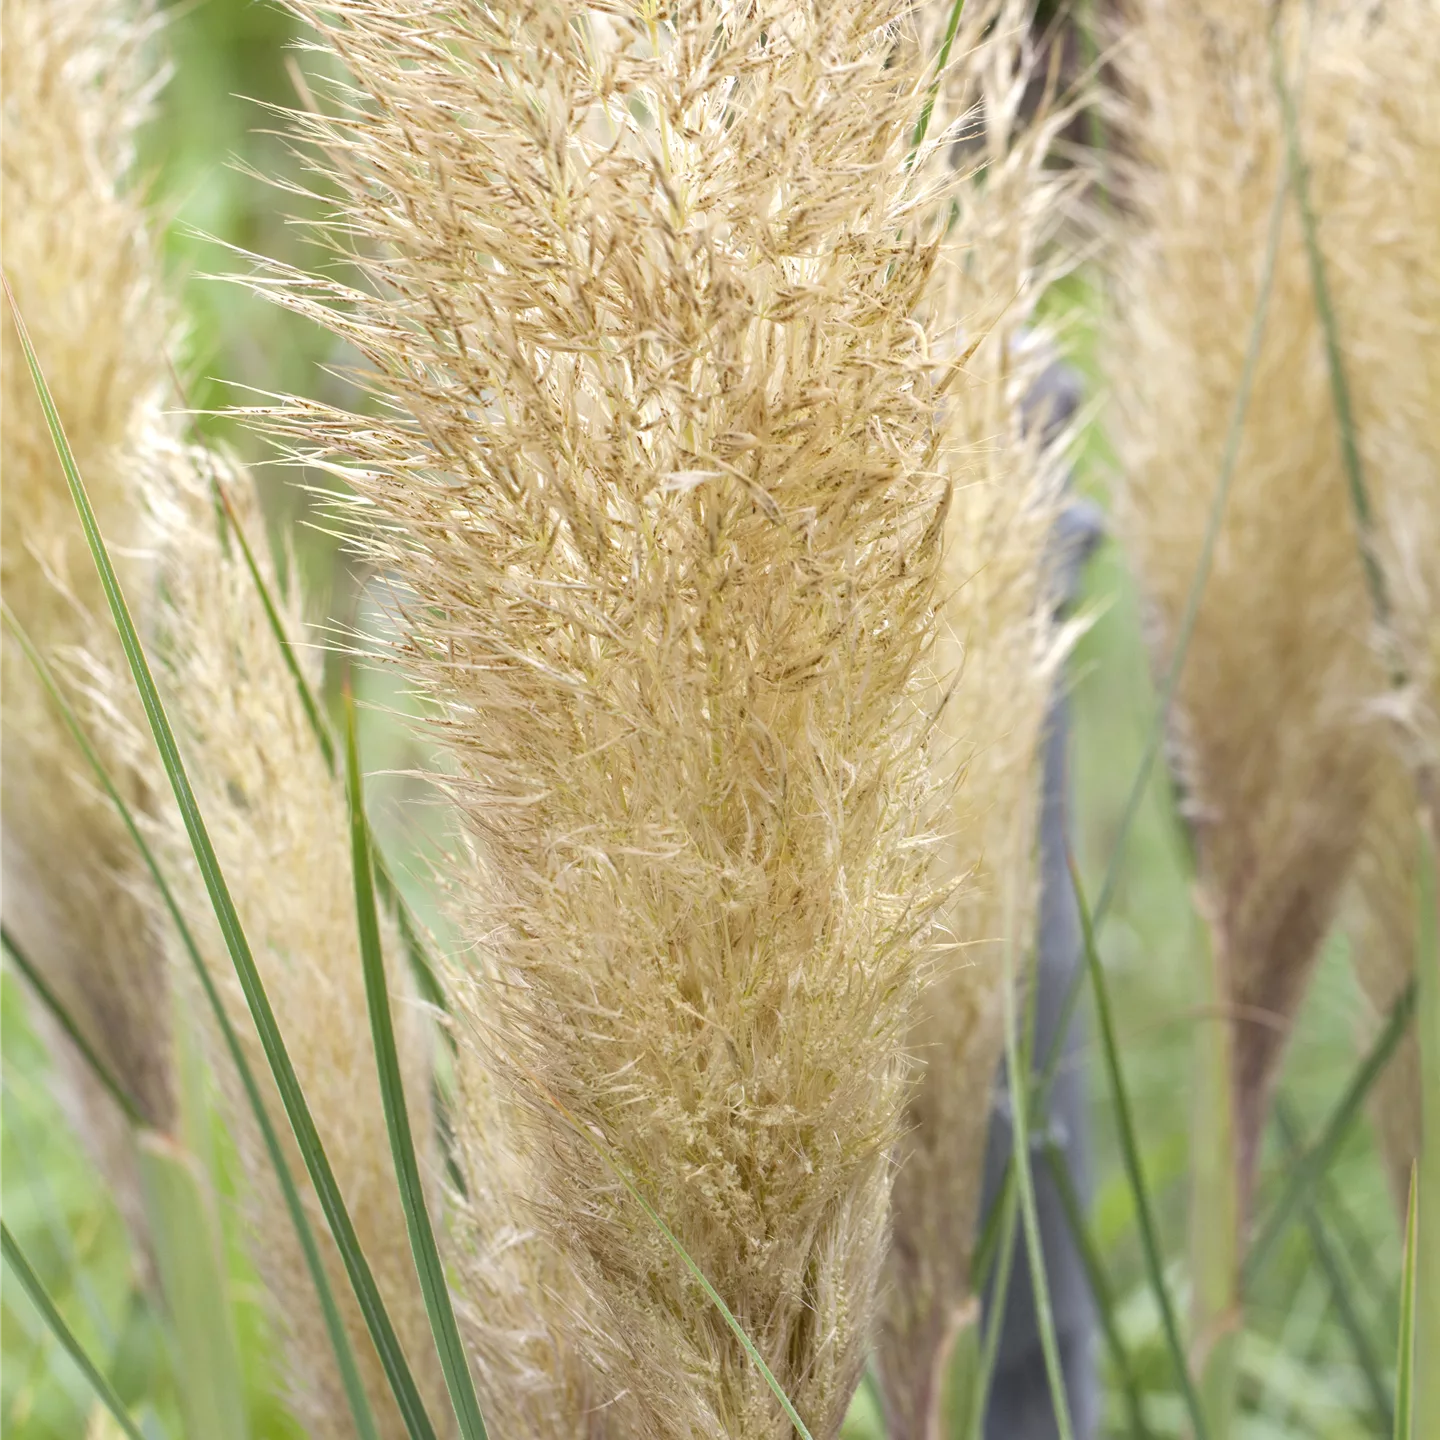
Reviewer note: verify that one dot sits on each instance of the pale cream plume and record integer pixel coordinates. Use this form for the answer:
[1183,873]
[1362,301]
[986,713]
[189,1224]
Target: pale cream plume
[1274,740]
[78,254]
[659,481]
[278,821]
[996,664]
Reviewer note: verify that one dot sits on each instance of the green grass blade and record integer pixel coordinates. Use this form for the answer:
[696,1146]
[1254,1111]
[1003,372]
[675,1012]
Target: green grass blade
[942,61]
[308,702]
[1336,1278]
[1315,1161]
[1325,312]
[1130,1149]
[51,1001]
[1007,1208]
[1025,1184]
[372,1307]
[334,1325]
[1405,1360]
[686,1259]
[33,1287]
[193,1279]
[1155,739]
[1099,1289]
[1427,1185]
[397,1118]
[420,960]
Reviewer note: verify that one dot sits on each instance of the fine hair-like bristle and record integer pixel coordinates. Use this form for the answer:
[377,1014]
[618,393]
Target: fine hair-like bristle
[995,663]
[657,481]
[84,270]
[278,821]
[1274,752]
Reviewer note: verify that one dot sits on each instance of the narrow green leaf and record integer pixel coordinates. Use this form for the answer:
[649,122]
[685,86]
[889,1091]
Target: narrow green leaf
[1427,1183]
[1007,1206]
[1025,1181]
[382,1332]
[335,1328]
[1340,1289]
[1130,1149]
[1325,312]
[55,1321]
[942,61]
[712,1294]
[1405,1362]
[1316,1160]
[397,1117]
[51,1001]
[1155,738]
[420,960]
[1089,1254]
[184,1231]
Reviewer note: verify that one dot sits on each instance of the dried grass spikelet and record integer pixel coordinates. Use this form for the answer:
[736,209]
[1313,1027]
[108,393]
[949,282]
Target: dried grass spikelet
[1273,746]
[83,268]
[1380,917]
[657,486]
[278,821]
[996,662]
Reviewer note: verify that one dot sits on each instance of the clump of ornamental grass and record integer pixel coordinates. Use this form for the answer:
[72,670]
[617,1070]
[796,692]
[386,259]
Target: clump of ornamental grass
[995,663]
[83,269]
[278,821]
[658,479]
[1274,750]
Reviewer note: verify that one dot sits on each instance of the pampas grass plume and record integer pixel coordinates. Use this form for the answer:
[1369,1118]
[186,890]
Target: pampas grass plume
[83,268]
[995,664]
[1273,748]
[278,821]
[657,481]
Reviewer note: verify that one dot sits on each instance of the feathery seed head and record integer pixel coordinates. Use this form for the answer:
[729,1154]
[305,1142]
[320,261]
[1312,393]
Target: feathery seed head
[83,268]
[279,824]
[658,483]
[1275,754]
[996,659]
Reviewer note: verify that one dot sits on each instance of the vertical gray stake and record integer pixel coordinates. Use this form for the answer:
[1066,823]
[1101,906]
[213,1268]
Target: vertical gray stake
[1020,1407]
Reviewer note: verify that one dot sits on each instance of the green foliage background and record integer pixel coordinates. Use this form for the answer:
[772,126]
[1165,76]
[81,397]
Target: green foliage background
[1300,1374]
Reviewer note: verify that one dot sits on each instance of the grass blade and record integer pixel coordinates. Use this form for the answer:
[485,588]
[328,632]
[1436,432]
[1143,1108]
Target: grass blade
[1316,1160]
[1427,1183]
[397,1118]
[62,1332]
[1007,1210]
[1325,313]
[51,1001]
[1025,1183]
[334,1325]
[357,1267]
[1155,740]
[1099,1288]
[942,60]
[1335,1276]
[189,1257]
[389,892]
[1120,1104]
[1405,1360]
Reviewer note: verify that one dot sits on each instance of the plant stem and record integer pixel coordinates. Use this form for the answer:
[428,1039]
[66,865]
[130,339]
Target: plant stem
[1217,1309]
